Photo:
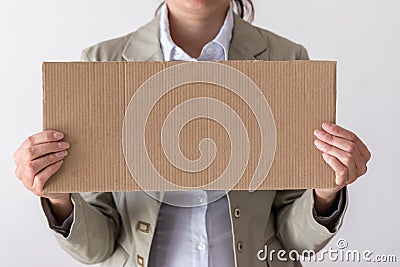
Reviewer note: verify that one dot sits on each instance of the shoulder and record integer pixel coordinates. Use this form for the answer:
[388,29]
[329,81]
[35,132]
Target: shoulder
[133,46]
[109,50]
[281,48]
[265,44]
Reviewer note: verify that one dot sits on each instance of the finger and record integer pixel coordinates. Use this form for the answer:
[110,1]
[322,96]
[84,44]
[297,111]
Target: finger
[42,137]
[339,169]
[344,157]
[344,133]
[347,146]
[18,173]
[39,164]
[342,144]
[338,142]
[40,150]
[339,131]
[42,177]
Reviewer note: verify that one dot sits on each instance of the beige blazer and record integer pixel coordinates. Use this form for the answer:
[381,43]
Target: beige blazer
[117,228]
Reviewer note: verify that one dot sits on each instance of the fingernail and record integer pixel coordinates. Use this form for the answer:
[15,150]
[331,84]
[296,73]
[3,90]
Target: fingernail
[325,156]
[327,126]
[63,145]
[61,154]
[319,144]
[319,133]
[58,135]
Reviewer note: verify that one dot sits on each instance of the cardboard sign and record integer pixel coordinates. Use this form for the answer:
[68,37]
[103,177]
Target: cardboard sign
[170,126]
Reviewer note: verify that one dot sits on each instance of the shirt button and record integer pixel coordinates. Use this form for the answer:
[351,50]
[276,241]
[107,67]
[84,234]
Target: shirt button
[239,246]
[201,246]
[236,212]
[209,50]
[200,199]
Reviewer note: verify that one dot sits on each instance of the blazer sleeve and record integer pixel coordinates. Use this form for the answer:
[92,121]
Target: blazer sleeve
[94,230]
[296,226]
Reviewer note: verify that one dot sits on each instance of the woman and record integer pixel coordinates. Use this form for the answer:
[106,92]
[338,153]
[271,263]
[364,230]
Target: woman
[133,229]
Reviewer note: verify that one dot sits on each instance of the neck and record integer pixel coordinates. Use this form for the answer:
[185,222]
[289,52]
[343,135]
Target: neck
[191,29]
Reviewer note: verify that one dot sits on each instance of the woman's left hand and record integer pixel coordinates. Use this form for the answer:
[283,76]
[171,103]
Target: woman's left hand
[346,154]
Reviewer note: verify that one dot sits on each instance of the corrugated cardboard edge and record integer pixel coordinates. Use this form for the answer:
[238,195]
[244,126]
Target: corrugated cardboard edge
[120,187]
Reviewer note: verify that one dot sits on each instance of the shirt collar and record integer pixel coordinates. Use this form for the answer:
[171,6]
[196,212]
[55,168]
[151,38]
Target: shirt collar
[223,37]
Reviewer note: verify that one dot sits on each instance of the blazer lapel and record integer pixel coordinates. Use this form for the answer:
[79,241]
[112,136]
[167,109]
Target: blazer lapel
[144,44]
[247,43]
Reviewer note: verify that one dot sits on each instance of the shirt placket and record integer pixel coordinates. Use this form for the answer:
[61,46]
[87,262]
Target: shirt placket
[199,231]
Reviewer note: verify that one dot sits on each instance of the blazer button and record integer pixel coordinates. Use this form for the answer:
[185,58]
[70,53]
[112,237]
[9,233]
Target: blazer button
[143,227]
[239,246]
[140,260]
[236,212]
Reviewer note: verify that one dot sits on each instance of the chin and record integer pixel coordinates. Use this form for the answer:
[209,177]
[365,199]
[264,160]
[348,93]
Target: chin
[200,5]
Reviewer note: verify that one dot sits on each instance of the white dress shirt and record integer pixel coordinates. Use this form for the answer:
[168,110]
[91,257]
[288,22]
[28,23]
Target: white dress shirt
[198,236]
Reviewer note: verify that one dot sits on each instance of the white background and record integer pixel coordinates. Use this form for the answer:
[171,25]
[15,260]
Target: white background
[362,35]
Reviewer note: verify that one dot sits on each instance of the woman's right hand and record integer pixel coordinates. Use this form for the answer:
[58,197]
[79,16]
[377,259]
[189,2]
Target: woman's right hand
[37,159]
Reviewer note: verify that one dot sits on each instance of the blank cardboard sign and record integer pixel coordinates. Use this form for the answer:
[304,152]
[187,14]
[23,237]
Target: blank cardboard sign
[170,126]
